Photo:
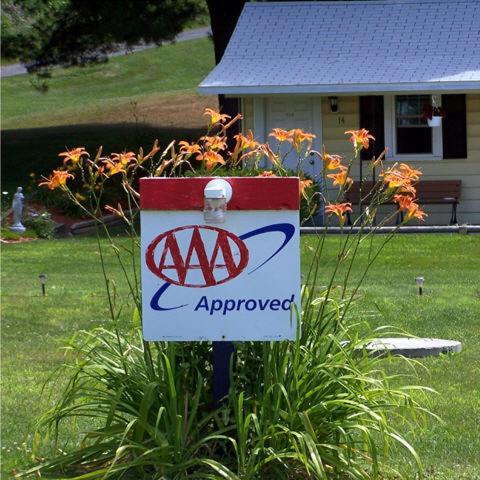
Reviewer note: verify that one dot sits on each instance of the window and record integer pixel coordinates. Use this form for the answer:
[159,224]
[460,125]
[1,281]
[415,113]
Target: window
[412,132]
[407,133]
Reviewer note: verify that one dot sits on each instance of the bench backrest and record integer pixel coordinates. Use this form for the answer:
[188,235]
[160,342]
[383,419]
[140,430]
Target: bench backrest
[438,190]
[428,191]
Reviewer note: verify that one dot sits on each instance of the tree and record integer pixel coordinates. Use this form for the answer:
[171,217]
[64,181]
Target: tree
[73,32]
[19,18]
[223,19]
[76,32]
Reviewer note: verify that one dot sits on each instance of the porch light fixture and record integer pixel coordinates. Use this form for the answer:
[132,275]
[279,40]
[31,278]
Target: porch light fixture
[419,281]
[333,104]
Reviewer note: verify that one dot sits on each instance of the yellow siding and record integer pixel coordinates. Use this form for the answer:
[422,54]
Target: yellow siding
[247,121]
[467,170]
[335,124]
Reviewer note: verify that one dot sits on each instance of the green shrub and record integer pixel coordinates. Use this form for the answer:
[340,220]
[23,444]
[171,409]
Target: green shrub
[313,408]
[41,224]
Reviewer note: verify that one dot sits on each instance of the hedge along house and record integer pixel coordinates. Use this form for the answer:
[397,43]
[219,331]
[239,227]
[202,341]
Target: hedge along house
[327,67]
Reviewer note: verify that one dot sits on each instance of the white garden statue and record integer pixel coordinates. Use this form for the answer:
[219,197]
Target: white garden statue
[17,207]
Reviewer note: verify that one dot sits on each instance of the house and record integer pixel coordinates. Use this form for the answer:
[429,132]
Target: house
[332,66]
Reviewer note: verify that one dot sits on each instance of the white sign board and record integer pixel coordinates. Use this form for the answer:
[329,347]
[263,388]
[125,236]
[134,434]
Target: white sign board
[237,280]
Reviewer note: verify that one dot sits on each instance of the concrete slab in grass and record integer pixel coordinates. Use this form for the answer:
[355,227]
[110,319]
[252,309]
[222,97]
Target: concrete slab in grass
[413,347]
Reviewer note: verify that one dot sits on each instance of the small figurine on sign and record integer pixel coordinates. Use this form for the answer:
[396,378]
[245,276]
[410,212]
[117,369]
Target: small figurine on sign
[17,207]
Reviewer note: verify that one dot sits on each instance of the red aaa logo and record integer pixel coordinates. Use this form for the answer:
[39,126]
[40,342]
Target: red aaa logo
[219,268]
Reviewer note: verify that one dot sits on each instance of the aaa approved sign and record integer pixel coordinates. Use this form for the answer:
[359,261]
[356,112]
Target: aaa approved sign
[237,280]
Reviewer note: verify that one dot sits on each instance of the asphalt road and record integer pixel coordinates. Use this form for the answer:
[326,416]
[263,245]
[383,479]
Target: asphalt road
[19,69]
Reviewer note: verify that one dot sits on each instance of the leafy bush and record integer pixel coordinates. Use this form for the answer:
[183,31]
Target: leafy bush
[313,408]
[41,224]
[317,407]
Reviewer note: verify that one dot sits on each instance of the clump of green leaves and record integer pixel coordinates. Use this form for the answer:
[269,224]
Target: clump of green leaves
[313,408]
[41,223]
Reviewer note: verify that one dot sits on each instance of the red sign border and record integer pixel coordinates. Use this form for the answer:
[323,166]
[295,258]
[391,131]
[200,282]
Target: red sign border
[249,193]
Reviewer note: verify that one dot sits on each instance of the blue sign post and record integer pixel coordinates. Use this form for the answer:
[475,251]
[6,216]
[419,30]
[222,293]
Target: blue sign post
[223,356]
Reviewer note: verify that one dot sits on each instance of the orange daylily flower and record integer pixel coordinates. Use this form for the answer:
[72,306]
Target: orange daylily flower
[216,117]
[268,152]
[210,159]
[298,136]
[403,201]
[340,210]
[267,173]
[410,173]
[242,143]
[331,162]
[393,179]
[401,177]
[188,148]
[246,141]
[341,179]
[114,167]
[57,179]
[74,155]
[215,142]
[360,138]
[280,134]
[408,203]
[414,211]
[123,158]
[304,184]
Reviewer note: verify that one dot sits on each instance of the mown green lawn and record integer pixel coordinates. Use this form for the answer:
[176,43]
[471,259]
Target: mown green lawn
[80,91]
[34,329]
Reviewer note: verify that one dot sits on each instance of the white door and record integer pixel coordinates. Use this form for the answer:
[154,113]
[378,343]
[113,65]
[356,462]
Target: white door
[295,112]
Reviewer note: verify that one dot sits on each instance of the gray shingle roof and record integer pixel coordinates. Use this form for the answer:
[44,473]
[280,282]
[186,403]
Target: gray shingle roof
[345,47]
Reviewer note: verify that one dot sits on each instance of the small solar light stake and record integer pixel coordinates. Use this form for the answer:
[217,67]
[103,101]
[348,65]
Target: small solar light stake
[419,281]
[43,281]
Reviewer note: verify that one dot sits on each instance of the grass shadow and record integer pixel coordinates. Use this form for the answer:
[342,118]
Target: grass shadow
[36,149]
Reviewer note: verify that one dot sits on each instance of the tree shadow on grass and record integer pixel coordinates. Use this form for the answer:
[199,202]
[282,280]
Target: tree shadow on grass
[36,149]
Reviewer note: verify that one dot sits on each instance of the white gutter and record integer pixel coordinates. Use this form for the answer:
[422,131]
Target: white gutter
[345,89]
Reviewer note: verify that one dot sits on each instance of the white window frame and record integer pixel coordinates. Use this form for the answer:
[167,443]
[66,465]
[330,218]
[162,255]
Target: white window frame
[391,135]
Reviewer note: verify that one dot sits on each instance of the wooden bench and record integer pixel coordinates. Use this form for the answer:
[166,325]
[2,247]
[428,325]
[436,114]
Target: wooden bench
[429,192]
